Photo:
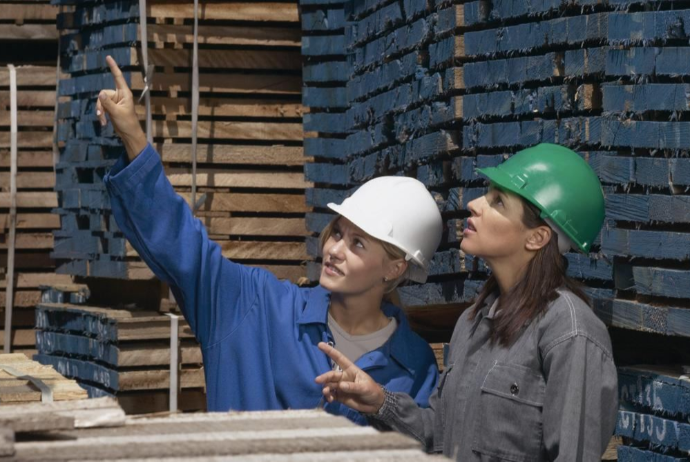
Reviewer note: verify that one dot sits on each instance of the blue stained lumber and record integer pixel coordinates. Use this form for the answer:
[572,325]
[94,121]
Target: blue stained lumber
[563,31]
[662,172]
[388,17]
[374,109]
[446,262]
[433,294]
[332,71]
[316,222]
[645,428]
[326,122]
[512,71]
[399,41]
[368,139]
[433,145]
[519,102]
[444,52]
[73,267]
[364,168]
[75,295]
[664,320]
[330,148]
[583,267]
[662,282]
[458,198]
[646,244]
[321,2]
[648,26]
[633,454]
[323,45]
[585,62]
[648,208]
[52,343]
[91,83]
[481,11]
[95,14]
[656,389]
[326,173]
[324,20]
[332,97]
[635,62]
[95,39]
[449,19]
[96,325]
[646,97]
[383,77]
[320,198]
[82,370]
[527,133]
[95,60]
[434,174]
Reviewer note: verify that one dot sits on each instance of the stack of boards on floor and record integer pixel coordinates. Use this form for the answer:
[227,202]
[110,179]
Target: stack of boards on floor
[250,182]
[118,352]
[29,38]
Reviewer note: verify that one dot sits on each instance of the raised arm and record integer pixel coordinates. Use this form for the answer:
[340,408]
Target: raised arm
[213,292]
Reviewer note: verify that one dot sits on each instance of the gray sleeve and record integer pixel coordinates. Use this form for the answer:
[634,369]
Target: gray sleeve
[581,400]
[401,413]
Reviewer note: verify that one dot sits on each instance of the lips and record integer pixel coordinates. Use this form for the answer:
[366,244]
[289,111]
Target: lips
[470,226]
[333,269]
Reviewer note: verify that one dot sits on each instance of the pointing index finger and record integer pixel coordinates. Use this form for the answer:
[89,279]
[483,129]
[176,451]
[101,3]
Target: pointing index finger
[339,358]
[120,82]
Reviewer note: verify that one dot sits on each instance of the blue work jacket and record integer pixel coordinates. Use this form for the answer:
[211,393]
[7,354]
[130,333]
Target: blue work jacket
[258,335]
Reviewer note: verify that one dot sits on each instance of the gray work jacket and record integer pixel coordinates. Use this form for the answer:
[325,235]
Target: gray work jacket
[551,396]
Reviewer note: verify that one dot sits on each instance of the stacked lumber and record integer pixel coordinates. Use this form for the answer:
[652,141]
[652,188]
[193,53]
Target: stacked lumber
[117,352]
[19,383]
[250,185]
[280,436]
[31,22]
[35,180]
[654,415]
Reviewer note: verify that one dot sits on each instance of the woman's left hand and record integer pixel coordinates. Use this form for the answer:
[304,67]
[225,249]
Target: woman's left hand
[351,386]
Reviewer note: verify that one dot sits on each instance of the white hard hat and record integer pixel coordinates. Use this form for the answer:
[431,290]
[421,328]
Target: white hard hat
[398,210]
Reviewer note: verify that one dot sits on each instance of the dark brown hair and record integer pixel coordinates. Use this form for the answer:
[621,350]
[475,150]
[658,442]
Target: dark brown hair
[530,297]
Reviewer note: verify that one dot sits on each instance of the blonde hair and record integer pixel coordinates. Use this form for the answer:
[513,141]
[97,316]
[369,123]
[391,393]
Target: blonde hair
[392,252]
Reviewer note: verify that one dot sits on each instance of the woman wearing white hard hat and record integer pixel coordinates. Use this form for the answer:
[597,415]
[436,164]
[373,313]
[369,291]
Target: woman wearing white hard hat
[530,373]
[260,336]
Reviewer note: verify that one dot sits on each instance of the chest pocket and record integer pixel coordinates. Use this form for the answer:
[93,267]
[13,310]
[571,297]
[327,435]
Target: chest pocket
[509,421]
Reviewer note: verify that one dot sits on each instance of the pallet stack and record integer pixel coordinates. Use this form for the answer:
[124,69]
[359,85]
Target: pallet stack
[117,352]
[250,184]
[436,89]
[29,37]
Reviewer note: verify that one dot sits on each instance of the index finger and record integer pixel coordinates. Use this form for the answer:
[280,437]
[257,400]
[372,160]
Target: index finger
[120,82]
[339,358]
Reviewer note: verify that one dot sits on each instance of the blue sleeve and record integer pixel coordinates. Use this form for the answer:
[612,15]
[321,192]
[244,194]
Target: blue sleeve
[214,293]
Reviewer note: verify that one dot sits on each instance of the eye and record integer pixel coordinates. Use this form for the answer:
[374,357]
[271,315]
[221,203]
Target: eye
[359,243]
[497,201]
[336,234]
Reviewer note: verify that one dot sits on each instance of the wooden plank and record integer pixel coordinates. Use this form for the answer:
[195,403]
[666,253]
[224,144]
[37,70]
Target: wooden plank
[247,250]
[241,11]
[28,139]
[46,32]
[216,130]
[235,202]
[31,241]
[646,208]
[238,226]
[645,428]
[84,413]
[635,454]
[662,282]
[646,27]
[227,179]
[34,280]
[226,34]
[225,107]
[21,338]
[33,221]
[27,13]
[646,97]
[30,180]
[22,298]
[513,71]
[628,314]
[29,119]
[151,401]
[646,244]
[30,75]
[657,389]
[30,98]
[33,159]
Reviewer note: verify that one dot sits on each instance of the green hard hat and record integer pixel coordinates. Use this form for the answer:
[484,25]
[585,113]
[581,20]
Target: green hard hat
[558,182]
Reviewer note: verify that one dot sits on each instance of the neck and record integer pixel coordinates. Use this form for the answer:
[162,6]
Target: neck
[508,272]
[358,314]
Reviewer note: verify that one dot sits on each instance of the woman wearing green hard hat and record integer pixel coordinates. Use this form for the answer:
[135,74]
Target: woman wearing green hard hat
[530,374]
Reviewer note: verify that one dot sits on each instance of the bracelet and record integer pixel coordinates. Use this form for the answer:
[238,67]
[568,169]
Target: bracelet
[386,407]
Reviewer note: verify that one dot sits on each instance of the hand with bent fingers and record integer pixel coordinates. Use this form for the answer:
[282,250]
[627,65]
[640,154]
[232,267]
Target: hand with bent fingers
[118,104]
[351,386]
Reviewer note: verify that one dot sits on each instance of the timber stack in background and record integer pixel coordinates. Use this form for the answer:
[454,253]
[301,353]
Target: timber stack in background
[28,41]
[435,89]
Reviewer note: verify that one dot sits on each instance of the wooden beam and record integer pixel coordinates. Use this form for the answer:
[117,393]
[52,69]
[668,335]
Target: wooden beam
[225,35]
[28,159]
[30,75]
[31,241]
[30,180]
[34,280]
[33,221]
[227,179]
[231,154]
[220,130]
[245,11]
[223,107]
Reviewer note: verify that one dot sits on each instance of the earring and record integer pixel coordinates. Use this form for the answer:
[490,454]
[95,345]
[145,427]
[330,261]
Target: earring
[385,279]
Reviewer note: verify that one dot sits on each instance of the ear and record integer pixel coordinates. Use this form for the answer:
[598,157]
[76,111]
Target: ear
[538,238]
[395,269]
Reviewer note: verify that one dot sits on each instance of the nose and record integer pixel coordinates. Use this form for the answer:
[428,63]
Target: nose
[475,206]
[336,250]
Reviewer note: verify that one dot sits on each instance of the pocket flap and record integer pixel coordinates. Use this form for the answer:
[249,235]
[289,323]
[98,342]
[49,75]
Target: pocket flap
[515,382]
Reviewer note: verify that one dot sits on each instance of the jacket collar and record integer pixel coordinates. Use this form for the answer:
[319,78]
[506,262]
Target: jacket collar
[400,346]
